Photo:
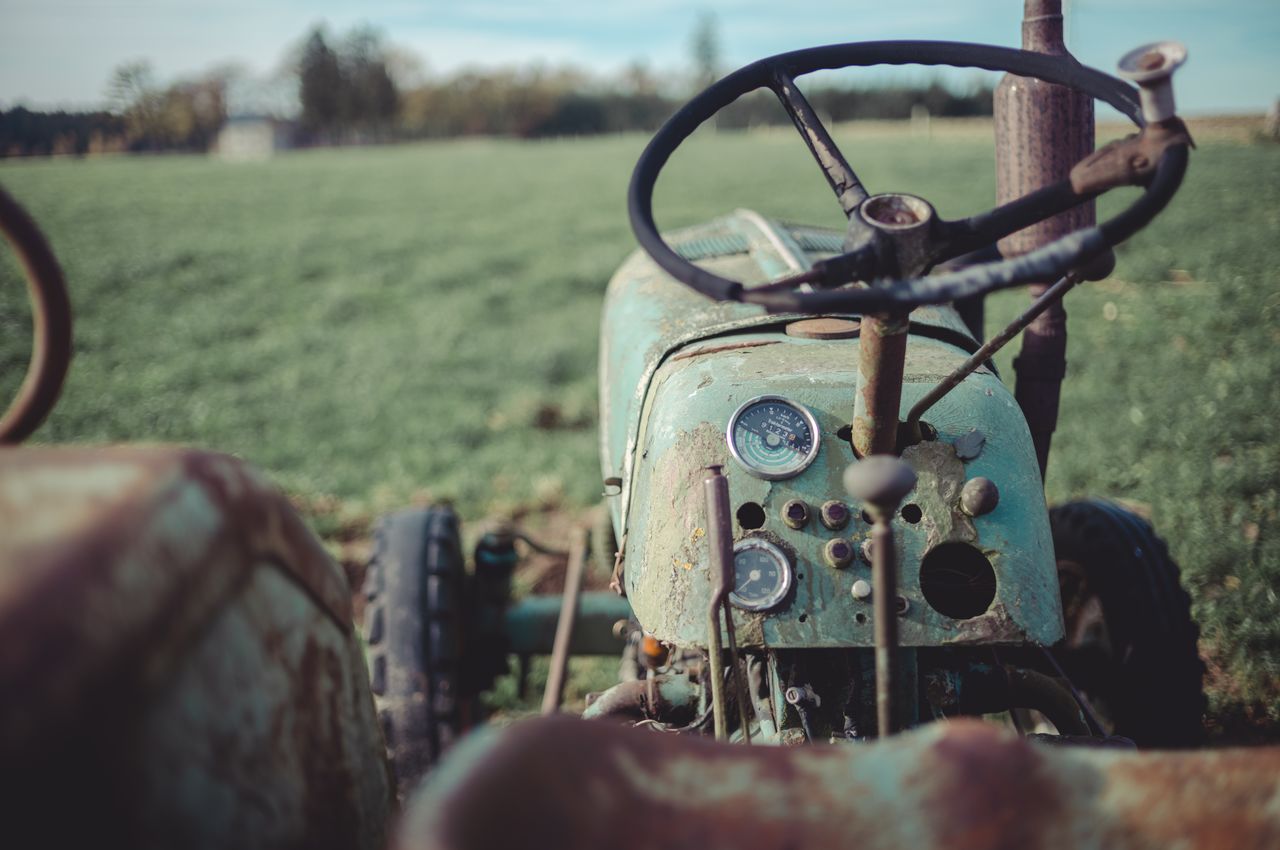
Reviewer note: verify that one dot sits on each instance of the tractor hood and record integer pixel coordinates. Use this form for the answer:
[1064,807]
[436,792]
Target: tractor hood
[674,369]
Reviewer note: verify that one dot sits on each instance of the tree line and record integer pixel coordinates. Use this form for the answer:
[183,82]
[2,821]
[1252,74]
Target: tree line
[355,89]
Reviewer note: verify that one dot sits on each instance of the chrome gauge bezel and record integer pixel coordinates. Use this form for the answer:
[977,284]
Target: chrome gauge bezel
[805,462]
[784,587]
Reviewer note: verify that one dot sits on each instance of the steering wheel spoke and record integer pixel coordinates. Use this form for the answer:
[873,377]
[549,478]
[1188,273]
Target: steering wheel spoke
[848,188]
[954,238]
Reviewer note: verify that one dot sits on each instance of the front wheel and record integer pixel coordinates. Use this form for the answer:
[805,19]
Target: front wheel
[415,584]
[1131,643]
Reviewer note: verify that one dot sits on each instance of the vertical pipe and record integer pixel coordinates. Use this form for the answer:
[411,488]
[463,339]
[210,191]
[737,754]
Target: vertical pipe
[1042,130]
[559,672]
[884,580]
[720,545]
[882,353]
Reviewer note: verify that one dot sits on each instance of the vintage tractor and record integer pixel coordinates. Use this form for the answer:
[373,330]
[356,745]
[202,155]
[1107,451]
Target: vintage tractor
[825,522]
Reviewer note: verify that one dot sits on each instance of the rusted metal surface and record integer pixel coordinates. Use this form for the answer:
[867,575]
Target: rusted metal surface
[51,331]
[959,785]
[559,670]
[827,328]
[1130,161]
[720,574]
[1042,131]
[881,357]
[667,697]
[177,662]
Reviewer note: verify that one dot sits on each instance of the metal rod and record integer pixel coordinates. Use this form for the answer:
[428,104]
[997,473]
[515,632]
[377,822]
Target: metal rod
[983,354]
[739,678]
[556,676]
[1042,130]
[882,482]
[884,580]
[882,354]
[720,544]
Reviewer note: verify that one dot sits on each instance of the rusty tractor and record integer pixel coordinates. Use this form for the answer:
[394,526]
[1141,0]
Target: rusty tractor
[826,529]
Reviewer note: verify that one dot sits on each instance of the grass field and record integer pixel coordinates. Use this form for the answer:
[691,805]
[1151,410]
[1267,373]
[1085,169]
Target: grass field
[375,326]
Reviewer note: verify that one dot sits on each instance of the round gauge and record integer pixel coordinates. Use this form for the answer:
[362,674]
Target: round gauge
[761,575]
[773,438]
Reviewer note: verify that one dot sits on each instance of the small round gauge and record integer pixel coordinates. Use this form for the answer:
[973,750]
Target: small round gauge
[761,575]
[773,438]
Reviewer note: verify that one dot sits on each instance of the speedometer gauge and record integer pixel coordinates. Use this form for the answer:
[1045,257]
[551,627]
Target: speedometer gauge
[773,438]
[761,575]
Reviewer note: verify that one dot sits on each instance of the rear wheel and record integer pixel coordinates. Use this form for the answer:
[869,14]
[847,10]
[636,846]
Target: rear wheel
[415,584]
[1131,644]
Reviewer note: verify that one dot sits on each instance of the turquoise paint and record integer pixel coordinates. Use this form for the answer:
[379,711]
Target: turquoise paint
[664,408]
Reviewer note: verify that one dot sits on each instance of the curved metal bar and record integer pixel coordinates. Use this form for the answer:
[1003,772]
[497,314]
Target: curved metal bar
[51,316]
[1063,70]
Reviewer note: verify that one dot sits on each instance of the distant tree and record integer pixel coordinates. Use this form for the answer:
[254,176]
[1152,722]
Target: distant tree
[320,84]
[129,84]
[705,51]
[368,97]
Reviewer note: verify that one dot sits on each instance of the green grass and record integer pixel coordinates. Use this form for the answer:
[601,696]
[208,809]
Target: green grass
[374,326]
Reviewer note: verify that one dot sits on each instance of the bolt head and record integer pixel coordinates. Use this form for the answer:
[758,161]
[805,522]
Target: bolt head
[880,480]
[838,552]
[979,496]
[795,514]
[835,515]
[861,589]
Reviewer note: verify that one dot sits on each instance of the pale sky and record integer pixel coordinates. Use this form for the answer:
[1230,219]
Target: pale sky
[61,52]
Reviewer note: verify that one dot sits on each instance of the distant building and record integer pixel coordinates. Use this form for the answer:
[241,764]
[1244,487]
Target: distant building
[252,137]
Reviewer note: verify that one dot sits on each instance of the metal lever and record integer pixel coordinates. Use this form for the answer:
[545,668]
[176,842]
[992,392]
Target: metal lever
[720,543]
[1151,66]
[882,481]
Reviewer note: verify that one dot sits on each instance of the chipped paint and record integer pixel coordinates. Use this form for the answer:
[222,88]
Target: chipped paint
[683,432]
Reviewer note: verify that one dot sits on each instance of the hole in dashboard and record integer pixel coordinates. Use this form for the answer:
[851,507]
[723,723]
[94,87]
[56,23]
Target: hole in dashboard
[750,515]
[957,580]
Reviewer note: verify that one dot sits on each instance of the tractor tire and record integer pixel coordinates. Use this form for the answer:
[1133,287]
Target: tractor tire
[413,636]
[1140,664]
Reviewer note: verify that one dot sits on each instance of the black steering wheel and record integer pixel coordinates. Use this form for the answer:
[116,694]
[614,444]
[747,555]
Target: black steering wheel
[895,239]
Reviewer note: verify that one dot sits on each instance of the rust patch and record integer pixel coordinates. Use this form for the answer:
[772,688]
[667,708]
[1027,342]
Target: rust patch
[995,626]
[963,784]
[940,477]
[100,597]
[985,790]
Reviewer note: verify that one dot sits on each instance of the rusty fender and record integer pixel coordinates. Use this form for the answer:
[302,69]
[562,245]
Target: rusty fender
[571,784]
[177,662]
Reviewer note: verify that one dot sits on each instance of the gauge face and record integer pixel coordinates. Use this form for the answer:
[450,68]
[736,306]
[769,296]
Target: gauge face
[772,437]
[761,575]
